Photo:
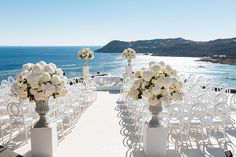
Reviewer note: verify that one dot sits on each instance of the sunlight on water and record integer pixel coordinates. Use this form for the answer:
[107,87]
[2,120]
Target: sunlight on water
[112,63]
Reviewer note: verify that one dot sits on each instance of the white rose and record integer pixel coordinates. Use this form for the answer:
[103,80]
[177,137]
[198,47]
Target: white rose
[147,93]
[23,95]
[160,82]
[174,80]
[26,67]
[59,72]
[168,68]
[161,63]
[156,68]
[147,75]
[137,83]
[33,80]
[177,96]
[164,92]
[63,83]
[133,93]
[167,82]
[144,84]
[174,72]
[156,90]
[46,77]
[33,91]
[22,75]
[180,84]
[42,63]
[56,79]
[49,68]
[53,65]
[154,81]
[137,74]
[34,85]
[37,69]
[152,63]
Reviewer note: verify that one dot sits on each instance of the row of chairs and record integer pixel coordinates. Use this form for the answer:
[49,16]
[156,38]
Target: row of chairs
[203,110]
[65,111]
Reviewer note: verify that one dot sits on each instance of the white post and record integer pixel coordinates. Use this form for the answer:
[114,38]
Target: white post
[44,141]
[85,72]
[129,70]
[155,141]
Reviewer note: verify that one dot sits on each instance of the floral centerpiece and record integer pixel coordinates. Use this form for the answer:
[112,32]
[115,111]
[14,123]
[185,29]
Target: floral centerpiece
[129,54]
[85,54]
[160,85]
[38,82]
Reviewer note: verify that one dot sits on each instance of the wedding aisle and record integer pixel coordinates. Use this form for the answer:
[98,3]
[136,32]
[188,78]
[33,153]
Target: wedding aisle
[103,131]
[97,132]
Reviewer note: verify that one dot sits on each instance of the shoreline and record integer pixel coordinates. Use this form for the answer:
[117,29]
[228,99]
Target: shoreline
[228,61]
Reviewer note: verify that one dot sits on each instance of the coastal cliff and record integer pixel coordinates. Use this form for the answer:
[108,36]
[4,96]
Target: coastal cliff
[175,47]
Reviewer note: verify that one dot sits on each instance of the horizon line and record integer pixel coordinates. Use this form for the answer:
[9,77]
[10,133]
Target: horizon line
[161,38]
[47,45]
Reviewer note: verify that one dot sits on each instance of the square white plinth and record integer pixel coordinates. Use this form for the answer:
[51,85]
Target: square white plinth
[85,72]
[129,70]
[44,141]
[155,141]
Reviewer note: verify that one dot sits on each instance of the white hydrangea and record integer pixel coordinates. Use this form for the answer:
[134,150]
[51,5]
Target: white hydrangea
[158,83]
[27,67]
[37,69]
[129,54]
[49,69]
[46,77]
[39,82]
[55,79]
[147,75]
[85,53]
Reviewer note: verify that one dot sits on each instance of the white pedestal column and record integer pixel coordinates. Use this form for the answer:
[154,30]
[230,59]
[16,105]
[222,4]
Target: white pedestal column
[155,141]
[129,70]
[44,141]
[85,72]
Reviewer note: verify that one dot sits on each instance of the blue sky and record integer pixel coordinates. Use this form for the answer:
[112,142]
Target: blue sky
[96,22]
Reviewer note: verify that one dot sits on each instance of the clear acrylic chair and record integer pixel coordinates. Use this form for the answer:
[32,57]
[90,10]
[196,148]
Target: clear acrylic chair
[18,119]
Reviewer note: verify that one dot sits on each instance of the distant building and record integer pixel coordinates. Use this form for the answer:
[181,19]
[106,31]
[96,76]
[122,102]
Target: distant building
[220,57]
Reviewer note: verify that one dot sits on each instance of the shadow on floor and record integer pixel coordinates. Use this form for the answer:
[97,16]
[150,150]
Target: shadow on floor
[196,146]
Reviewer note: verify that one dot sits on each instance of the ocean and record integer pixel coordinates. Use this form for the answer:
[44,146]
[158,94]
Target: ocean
[65,57]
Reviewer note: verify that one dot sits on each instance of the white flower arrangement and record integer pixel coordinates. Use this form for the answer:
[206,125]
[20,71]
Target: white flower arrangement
[129,54]
[85,53]
[158,83]
[39,82]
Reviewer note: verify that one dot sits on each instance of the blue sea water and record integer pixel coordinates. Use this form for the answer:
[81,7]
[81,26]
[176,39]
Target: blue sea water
[65,57]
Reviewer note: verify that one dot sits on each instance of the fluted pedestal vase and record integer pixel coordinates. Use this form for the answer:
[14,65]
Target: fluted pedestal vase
[129,68]
[43,136]
[155,135]
[42,109]
[155,110]
[85,69]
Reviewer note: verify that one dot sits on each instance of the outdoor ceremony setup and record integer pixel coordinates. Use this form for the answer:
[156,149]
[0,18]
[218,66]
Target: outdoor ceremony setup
[151,111]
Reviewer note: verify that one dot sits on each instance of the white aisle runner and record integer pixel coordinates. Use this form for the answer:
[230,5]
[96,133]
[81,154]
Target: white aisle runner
[97,133]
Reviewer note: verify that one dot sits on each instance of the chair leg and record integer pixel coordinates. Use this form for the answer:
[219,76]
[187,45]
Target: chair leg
[11,129]
[1,131]
[62,129]
[25,132]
